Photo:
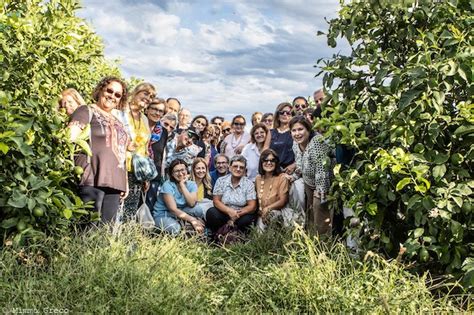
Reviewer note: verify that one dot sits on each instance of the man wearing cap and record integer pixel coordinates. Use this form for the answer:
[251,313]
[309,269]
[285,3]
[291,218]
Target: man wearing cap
[183,147]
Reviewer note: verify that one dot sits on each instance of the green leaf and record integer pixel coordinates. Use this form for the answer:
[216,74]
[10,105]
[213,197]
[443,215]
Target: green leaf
[4,148]
[408,97]
[372,209]
[17,200]
[67,213]
[9,223]
[402,183]
[439,171]
[418,232]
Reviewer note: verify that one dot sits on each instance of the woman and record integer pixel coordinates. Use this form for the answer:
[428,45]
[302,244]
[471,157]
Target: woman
[70,100]
[280,138]
[234,143]
[138,128]
[252,150]
[157,144]
[104,179]
[226,129]
[204,142]
[267,119]
[234,198]
[178,201]
[200,175]
[272,191]
[200,123]
[256,118]
[315,167]
[215,139]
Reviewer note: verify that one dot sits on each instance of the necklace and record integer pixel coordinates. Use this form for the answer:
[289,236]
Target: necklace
[260,194]
[232,141]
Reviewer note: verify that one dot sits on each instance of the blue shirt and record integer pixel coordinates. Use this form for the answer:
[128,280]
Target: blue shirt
[171,188]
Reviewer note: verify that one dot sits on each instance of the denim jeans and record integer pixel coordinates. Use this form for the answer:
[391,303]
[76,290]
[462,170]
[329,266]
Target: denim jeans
[168,222]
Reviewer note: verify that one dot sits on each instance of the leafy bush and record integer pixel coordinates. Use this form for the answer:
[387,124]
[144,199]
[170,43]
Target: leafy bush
[44,49]
[403,100]
[276,272]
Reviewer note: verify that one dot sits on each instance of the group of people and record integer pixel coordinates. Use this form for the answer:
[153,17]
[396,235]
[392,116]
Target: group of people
[209,172]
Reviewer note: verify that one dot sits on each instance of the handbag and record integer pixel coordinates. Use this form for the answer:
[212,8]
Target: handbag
[227,234]
[144,217]
[144,168]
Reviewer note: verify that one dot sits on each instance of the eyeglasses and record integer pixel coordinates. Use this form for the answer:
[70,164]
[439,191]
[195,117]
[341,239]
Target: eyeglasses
[284,112]
[239,124]
[114,93]
[268,120]
[183,170]
[238,167]
[226,130]
[273,161]
[222,163]
[154,109]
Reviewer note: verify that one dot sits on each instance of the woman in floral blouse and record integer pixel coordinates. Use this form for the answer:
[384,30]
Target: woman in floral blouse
[314,165]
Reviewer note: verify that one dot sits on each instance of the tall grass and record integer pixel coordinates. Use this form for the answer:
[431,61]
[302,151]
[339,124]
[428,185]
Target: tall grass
[278,271]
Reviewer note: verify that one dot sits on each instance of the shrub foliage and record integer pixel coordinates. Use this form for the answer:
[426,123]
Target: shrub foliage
[44,48]
[403,100]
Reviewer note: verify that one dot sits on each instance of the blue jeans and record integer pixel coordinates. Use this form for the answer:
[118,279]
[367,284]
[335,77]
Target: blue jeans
[168,222]
[152,193]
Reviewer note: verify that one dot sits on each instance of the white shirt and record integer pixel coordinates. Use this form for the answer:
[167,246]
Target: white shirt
[252,154]
[230,143]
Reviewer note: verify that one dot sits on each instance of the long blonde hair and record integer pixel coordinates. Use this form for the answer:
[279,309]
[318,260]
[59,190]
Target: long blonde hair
[206,181]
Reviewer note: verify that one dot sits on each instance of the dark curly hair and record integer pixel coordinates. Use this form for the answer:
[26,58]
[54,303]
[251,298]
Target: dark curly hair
[173,164]
[103,83]
[263,156]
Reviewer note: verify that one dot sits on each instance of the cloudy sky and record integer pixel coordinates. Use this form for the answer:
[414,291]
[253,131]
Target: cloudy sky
[217,56]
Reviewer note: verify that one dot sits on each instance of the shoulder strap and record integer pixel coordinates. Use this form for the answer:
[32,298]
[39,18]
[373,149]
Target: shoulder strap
[90,132]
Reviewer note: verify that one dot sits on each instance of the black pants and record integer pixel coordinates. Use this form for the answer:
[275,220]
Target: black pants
[106,201]
[215,219]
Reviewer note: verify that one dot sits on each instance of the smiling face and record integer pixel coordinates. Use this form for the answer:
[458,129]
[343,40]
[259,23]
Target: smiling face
[169,125]
[284,115]
[155,112]
[141,100]
[222,165]
[299,105]
[69,104]
[269,163]
[268,121]
[200,124]
[238,125]
[173,106]
[256,119]
[237,169]
[110,96]
[259,134]
[299,133]
[200,170]
[180,172]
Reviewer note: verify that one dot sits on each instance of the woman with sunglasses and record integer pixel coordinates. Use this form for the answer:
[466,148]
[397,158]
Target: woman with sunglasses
[177,201]
[157,144]
[272,192]
[138,128]
[252,150]
[280,138]
[234,198]
[226,129]
[267,119]
[315,166]
[104,179]
[235,142]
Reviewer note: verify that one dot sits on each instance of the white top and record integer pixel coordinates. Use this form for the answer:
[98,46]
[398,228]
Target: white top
[252,155]
[230,143]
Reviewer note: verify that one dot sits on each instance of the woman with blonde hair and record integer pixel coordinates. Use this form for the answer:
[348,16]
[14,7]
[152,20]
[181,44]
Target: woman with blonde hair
[200,175]
[137,126]
[70,100]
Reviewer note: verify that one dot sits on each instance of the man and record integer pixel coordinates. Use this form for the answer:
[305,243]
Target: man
[174,105]
[318,96]
[184,118]
[221,163]
[183,147]
[299,105]
[217,120]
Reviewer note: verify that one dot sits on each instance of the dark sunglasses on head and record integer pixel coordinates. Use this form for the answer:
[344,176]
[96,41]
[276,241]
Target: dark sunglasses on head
[112,92]
[269,161]
[239,124]
[284,112]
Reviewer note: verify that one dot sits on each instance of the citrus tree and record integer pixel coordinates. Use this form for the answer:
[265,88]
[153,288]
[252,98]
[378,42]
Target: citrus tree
[402,99]
[44,48]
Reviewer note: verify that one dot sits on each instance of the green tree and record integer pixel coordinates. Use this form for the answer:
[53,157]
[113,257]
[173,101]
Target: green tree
[403,100]
[44,48]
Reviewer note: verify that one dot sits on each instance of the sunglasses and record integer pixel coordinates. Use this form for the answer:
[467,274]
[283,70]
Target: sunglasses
[284,112]
[273,161]
[192,135]
[268,120]
[112,92]
[226,130]
[239,124]
[300,106]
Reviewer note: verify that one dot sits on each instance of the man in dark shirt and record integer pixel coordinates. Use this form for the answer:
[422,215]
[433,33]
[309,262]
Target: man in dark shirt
[221,162]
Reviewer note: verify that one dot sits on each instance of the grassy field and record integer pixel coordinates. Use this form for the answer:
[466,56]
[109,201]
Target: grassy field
[276,272]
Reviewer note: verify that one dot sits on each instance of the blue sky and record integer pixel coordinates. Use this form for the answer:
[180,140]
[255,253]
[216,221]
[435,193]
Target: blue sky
[217,57]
